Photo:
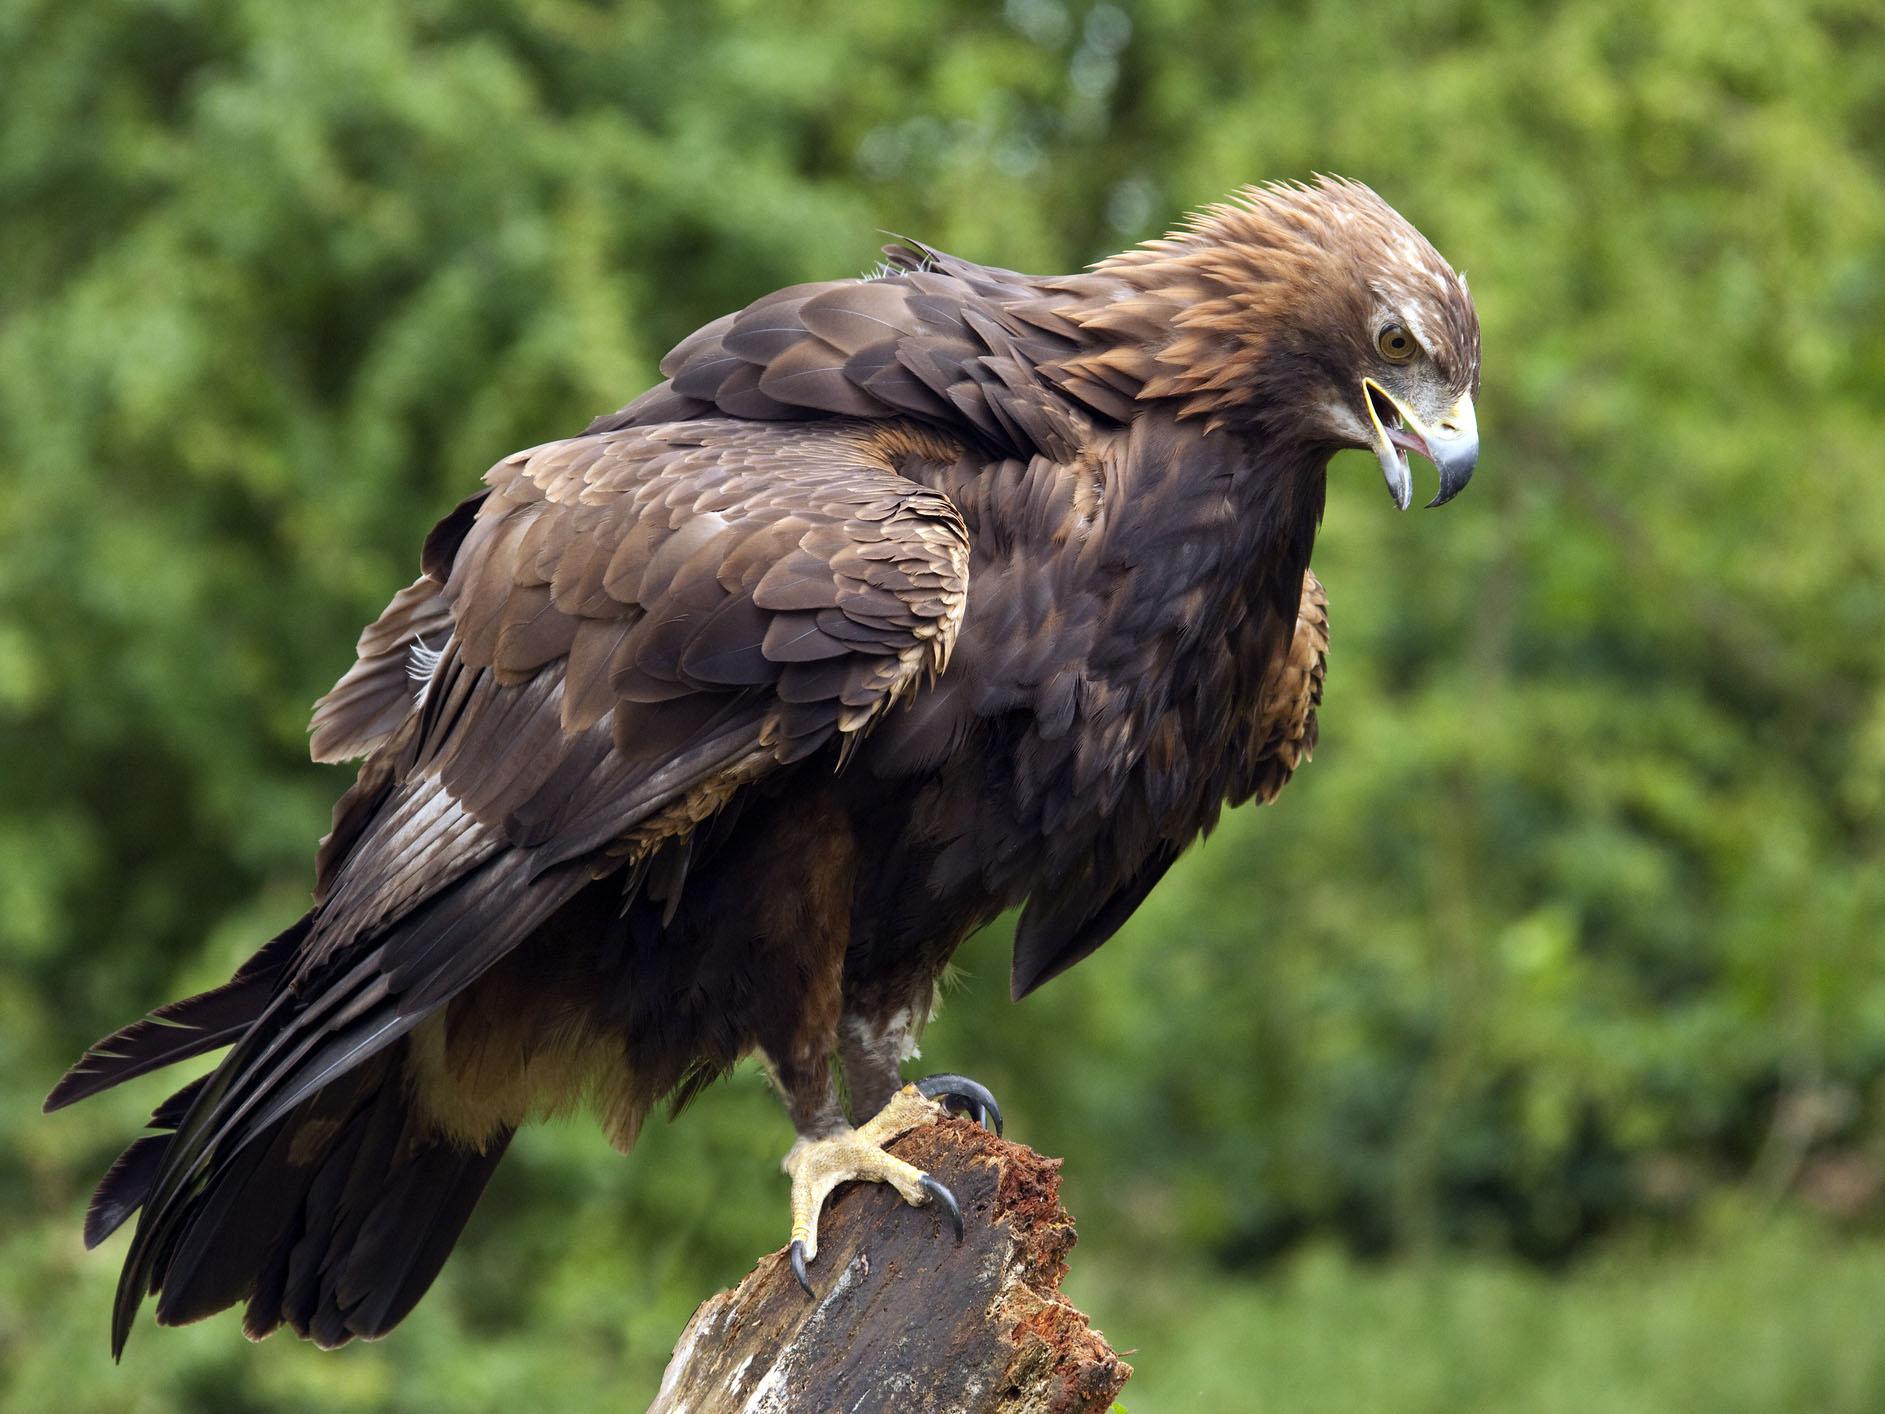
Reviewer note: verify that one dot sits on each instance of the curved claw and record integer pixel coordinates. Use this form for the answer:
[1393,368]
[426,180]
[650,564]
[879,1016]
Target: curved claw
[947,1199]
[798,1267]
[971,1094]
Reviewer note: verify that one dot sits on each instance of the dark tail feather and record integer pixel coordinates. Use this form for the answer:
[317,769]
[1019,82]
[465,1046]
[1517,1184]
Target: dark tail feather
[336,1238]
[182,1029]
[414,1227]
[122,1190]
[127,1183]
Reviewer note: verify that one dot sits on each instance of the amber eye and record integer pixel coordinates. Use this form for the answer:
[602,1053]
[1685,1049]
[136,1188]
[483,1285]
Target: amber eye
[1395,343]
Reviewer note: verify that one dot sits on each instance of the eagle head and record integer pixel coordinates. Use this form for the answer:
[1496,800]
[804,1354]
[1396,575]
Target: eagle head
[1315,315]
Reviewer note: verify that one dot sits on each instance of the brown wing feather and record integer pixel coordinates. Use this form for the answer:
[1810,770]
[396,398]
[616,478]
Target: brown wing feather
[496,799]
[689,674]
[377,693]
[1292,691]
[935,339]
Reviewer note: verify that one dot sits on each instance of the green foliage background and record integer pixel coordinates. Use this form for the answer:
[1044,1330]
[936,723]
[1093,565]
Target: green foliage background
[1527,1054]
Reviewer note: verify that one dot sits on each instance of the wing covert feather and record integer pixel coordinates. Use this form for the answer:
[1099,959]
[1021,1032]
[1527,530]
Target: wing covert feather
[945,342]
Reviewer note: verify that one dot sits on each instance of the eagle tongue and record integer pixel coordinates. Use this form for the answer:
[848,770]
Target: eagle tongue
[1394,468]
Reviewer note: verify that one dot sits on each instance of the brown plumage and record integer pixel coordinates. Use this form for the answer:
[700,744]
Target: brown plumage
[717,728]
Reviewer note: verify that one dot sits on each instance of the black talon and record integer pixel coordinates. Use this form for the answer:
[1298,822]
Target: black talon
[798,1266]
[947,1199]
[972,1095]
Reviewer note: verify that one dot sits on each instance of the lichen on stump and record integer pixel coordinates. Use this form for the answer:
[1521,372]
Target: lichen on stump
[904,1317]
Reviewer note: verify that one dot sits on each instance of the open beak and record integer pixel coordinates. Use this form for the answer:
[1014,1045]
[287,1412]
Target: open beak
[1451,443]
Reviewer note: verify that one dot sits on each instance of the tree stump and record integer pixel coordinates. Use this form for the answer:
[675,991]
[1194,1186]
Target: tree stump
[905,1318]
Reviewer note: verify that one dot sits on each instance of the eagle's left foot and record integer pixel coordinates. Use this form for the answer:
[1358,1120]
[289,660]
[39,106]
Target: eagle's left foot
[818,1166]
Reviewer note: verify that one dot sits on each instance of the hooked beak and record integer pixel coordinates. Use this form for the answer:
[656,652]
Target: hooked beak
[1451,444]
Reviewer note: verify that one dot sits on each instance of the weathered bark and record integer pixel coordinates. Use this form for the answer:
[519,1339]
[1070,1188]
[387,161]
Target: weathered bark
[906,1319]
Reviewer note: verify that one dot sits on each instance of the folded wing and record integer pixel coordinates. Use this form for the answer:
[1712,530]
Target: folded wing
[626,630]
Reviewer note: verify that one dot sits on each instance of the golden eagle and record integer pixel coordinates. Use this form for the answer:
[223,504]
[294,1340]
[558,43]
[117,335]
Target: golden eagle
[902,601]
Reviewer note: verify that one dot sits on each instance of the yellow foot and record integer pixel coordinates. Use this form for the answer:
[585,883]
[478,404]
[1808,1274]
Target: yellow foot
[819,1165]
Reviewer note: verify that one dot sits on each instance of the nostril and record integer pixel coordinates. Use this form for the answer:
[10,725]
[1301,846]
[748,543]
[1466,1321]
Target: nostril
[1452,429]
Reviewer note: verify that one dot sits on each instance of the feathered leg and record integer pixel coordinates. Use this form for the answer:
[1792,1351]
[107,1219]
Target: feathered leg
[806,919]
[829,1151]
